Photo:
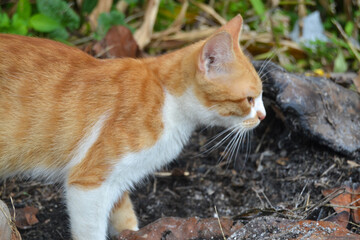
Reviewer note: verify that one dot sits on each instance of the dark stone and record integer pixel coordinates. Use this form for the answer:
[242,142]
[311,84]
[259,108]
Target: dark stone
[318,108]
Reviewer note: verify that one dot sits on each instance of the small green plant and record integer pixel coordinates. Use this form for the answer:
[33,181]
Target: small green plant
[54,18]
[19,22]
[320,54]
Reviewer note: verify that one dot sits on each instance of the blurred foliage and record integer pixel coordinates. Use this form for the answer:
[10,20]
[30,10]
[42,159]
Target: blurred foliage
[68,21]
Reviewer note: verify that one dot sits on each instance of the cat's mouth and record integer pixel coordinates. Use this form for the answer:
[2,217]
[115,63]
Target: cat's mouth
[251,123]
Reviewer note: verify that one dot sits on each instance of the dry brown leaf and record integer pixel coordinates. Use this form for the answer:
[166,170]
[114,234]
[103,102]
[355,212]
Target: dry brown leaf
[341,219]
[343,199]
[26,217]
[282,161]
[356,202]
[118,42]
[351,198]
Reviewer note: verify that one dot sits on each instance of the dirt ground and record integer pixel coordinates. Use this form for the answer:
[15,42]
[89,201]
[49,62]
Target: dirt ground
[275,170]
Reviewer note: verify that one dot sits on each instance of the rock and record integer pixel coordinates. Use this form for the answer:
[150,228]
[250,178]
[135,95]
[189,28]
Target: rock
[318,108]
[171,228]
[280,228]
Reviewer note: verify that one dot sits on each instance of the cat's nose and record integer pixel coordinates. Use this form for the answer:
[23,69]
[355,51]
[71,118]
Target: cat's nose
[260,115]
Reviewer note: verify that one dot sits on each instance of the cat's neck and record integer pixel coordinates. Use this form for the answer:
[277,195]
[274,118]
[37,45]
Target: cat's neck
[175,72]
[176,69]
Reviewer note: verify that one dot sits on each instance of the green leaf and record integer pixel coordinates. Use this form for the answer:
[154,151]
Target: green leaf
[24,9]
[88,6]
[340,64]
[349,27]
[43,23]
[4,20]
[59,34]
[259,8]
[60,11]
[18,25]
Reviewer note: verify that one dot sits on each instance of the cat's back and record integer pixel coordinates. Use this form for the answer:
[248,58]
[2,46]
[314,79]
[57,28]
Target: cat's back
[19,54]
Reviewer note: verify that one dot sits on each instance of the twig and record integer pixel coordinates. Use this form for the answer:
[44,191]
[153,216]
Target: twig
[154,186]
[169,174]
[342,206]
[356,225]
[328,170]
[106,50]
[218,218]
[297,203]
[176,25]
[341,30]
[144,33]
[209,10]
[82,40]
[325,200]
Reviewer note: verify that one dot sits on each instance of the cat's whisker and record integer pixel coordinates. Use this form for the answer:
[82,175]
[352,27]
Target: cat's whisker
[229,145]
[205,128]
[242,145]
[267,60]
[232,129]
[230,151]
[219,134]
[267,72]
[236,144]
[274,53]
[266,63]
[248,146]
[238,147]
[225,150]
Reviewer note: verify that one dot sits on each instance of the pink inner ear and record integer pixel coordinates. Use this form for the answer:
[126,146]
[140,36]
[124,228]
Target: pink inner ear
[216,51]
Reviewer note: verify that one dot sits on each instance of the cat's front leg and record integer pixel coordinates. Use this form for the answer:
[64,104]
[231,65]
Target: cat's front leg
[89,211]
[123,216]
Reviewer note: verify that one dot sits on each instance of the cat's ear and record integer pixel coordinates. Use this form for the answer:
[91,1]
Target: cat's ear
[234,27]
[215,54]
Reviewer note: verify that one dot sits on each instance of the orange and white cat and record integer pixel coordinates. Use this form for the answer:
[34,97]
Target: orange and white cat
[101,126]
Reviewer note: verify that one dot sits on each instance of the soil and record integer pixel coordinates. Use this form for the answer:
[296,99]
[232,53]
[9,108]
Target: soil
[275,172]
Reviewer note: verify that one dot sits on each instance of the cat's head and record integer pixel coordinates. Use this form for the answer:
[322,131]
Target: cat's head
[226,82]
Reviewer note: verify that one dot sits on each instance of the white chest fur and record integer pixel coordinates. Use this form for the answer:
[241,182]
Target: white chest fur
[131,168]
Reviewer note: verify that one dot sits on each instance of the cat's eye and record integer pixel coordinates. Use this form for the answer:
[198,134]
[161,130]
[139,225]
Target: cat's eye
[250,100]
